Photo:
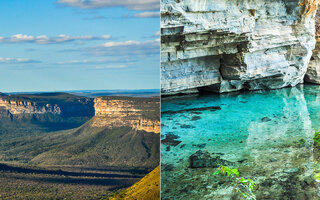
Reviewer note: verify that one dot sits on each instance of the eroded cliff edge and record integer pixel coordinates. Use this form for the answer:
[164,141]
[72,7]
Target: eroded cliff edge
[138,113]
[227,45]
[31,113]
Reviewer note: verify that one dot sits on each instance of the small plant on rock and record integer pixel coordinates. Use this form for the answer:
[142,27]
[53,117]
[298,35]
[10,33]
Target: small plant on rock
[242,185]
[316,139]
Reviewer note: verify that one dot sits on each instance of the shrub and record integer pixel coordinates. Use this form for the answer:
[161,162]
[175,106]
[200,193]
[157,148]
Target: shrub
[242,185]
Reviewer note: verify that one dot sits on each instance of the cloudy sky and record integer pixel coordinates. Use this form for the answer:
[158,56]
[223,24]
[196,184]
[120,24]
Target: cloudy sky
[56,45]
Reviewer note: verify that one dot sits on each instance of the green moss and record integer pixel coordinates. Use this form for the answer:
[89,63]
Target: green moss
[316,139]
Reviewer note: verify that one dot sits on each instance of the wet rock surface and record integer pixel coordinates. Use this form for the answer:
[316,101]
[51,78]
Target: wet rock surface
[194,110]
[202,159]
[171,140]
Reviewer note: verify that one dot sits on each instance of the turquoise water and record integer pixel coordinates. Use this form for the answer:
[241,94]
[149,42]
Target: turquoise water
[267,135]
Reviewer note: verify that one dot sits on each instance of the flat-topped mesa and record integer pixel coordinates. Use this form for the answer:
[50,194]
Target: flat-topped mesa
[16,107]
[224,46]
[58,104]
[138,113]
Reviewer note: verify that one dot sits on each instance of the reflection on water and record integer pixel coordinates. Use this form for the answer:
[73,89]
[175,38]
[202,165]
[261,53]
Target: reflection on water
[267,135]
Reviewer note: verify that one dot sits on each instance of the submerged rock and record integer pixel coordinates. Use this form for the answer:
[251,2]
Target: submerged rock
[171,140]
[224,46]
[202,159]
[193,110]
[195,118]
[265,119]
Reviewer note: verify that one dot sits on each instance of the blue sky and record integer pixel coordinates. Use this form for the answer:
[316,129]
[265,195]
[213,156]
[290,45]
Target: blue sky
[56,45]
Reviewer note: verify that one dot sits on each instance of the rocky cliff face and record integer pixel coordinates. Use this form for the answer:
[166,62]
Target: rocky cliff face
[63,104]
[30,113]
[29,107]
[138,113]
[227,45]
[313,73]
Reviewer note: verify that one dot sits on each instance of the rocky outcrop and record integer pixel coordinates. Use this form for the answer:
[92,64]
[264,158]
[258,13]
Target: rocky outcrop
[202,159]
[226,45]
[63,104]
[313,72]
[45,112]
[22,107]
[147,125]
[138,113]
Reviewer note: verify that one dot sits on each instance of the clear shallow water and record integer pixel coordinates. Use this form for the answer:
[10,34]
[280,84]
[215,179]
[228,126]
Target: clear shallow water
[267,135]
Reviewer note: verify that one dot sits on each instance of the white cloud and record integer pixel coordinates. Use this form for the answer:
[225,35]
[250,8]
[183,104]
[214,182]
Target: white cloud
[43,39]
[157,33]
[116,44]
[111,67]
[129,4]
[147,14]
[105,61]
[82,62]
[21,38]
[17,61]
[127,48]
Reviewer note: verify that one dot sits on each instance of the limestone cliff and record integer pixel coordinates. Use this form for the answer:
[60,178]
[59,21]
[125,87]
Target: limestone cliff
[227,45]
[313,73]
[138,113]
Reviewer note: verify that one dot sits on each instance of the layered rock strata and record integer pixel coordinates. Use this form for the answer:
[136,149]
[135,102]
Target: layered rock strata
[313,72]
[45,112]
[138,113]
[63,104]
[27,107]
[226,45]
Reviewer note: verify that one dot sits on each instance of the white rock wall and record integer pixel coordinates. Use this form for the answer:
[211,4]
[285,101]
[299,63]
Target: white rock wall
[229,45]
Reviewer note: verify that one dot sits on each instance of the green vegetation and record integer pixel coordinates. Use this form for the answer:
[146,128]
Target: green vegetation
[242,185]
[27,140]
[75,111]
[86,146]
[316,139]
[34,183]
[65,157]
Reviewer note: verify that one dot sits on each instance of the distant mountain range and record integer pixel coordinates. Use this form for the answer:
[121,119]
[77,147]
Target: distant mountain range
[97,93]
[52,129]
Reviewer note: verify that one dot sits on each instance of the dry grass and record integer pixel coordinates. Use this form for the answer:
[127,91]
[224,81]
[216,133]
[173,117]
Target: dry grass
[148,188]
[309,6]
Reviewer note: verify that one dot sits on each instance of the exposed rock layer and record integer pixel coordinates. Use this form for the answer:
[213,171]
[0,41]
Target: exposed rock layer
[313,72]
[21,107]
[30,113]
[138,113]
[227,45]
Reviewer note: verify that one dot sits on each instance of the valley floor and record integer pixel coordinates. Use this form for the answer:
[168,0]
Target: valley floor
[38,183]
